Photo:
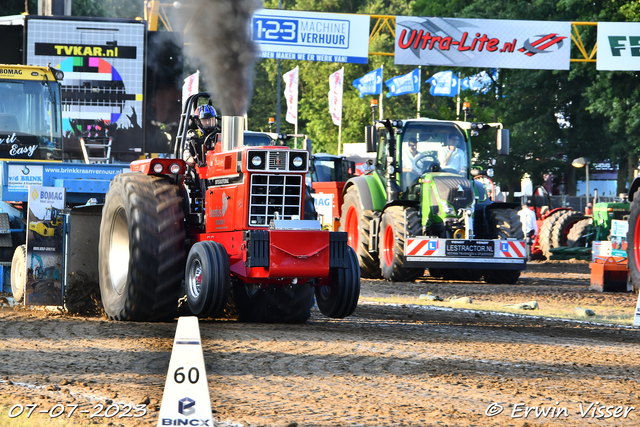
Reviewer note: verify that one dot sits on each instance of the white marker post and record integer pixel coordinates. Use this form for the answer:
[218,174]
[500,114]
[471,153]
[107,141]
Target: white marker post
[186,392]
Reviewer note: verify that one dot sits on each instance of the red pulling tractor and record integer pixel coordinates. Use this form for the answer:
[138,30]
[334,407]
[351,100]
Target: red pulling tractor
[229,226]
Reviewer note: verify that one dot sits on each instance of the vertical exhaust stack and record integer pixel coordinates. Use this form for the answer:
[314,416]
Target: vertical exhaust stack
[232,132]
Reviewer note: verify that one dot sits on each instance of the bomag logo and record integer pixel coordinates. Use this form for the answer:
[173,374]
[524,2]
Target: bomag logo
[10,71]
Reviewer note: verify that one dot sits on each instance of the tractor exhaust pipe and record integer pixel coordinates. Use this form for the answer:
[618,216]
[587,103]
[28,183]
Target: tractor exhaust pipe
[232,132]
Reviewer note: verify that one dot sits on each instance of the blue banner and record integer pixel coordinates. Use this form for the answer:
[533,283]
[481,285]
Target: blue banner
[444,83]
[402,85]
[370,83]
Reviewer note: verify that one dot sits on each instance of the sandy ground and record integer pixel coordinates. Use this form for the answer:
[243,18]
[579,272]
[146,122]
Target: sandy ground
[383,366]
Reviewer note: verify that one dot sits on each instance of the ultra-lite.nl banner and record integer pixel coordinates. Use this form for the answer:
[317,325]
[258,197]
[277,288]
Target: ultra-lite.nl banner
[491,43]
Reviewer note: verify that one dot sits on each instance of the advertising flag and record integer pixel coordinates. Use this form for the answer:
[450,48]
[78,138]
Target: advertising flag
[402,85]
[370,83]
[291,95]
[191,86]
[336,81]
[444,83]
[480,82]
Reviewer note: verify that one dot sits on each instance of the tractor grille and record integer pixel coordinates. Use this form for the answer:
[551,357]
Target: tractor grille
[449,190]
[277,160]
[274,193]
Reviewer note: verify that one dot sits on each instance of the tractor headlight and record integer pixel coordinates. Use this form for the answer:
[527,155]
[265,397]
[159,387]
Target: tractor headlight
[448,209]
[175,168]
[297,161]
[158,168]
[256,161]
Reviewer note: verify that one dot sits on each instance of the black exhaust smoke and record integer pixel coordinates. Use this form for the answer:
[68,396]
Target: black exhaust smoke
[219,43]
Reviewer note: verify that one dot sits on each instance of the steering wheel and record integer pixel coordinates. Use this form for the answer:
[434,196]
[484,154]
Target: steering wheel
[424,162]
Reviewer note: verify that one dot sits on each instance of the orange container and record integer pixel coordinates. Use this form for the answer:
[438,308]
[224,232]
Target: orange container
[609,274]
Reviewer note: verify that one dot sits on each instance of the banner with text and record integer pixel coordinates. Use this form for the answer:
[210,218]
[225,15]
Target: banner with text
[618,46]
[311,36]
[336,82]
[483,43]
[44,246]
[291,95]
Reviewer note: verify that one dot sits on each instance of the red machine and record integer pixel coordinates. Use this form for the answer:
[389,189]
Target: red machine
[231,225]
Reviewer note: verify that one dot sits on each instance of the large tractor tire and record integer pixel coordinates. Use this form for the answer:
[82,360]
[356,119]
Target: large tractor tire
[581,234]
[633,241]
[391,243]
[339,298]
[546,231]
[505,224]
[356,221]
[310,212]
[562,227]
[207,279]
[273,305]
[19,273]
[141,249]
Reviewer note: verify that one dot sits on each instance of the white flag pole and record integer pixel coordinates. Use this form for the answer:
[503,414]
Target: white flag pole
[340,127]
[458,102]
[381,114]
[419,87]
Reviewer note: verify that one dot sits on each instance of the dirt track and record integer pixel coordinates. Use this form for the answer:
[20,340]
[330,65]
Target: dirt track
[386,365]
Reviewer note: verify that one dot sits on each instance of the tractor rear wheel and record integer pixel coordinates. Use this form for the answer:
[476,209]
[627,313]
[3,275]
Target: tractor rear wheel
[502,277]
[141,249]
[456,274]
[339,298]
[207,279]
[273,305]
[581,234]
[633,239]
[546,232]
[391,243]
[506,224]
[19,272]
[563,226]
[356,221]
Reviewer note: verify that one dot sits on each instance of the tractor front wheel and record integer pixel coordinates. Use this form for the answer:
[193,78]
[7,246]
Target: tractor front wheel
[633,239]
[356,221]
[339,298]
[141,249]
[505,225]
[19,272]
[392,236]
[207,279]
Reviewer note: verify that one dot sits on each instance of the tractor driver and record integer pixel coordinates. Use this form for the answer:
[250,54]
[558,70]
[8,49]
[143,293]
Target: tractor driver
[206,122]
[453,157]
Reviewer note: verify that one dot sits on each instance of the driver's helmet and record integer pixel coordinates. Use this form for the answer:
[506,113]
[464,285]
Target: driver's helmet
[207,115]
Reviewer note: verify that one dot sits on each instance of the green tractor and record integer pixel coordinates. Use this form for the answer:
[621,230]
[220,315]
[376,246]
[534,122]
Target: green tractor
[585,231]
[422,208]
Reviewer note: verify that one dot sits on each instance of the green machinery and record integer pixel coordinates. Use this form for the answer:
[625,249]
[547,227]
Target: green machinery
[425,209]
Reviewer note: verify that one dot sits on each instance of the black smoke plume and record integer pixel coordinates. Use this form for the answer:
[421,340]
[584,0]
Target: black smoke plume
[219,42]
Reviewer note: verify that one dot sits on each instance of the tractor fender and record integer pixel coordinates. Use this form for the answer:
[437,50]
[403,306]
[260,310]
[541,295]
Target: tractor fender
[634,187]
[370,192]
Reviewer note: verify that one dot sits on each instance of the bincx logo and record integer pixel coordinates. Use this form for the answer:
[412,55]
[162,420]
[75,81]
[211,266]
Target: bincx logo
[187,422]
[186,406]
